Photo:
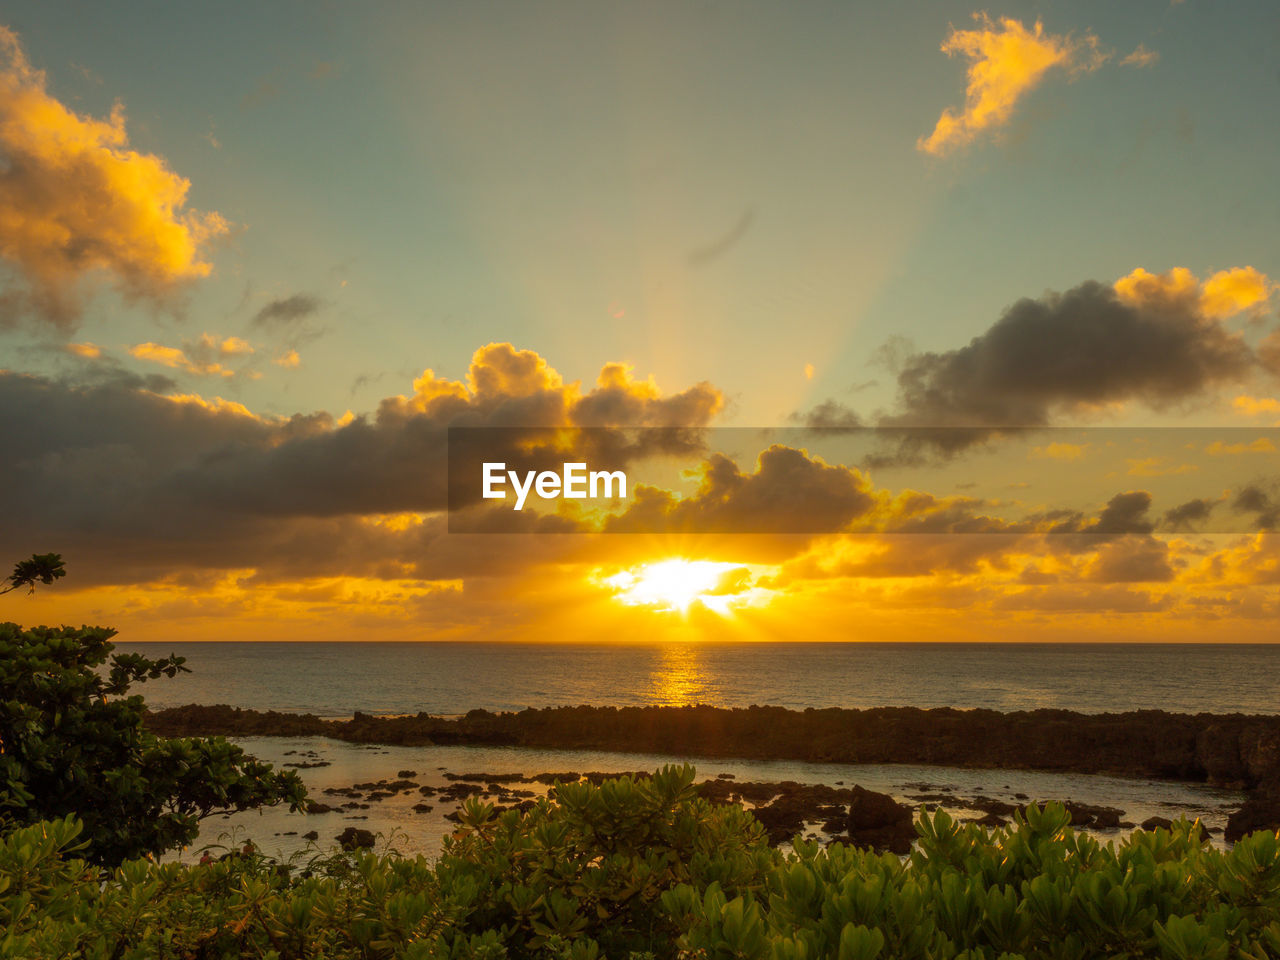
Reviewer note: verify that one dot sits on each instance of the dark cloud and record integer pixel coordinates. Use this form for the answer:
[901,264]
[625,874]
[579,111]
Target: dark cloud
[1263,499]
[1131,560]
[721,245]
[830,416]
[1185,516]
[788,493]
[1057,355]
[130,480]
[1269,352]
[1062,351]
[286,311]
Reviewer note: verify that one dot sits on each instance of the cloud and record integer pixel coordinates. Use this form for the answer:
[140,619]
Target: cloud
[1124,514]
[1140,57]
[1060,451]
[1148,339]
[1006,61]
[1256,406]
[1157,467]
[89,351]
[286,311]
[1220,449]
[200,358]
[1185,516]
[289,360]
[788,492]
[1269,352]
[721,245]
[1223,295]
[76,201]
[1131,560]
[830,416]
[1263,500]
[140,485]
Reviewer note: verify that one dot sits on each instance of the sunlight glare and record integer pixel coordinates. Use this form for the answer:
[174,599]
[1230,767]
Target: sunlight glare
[677,584]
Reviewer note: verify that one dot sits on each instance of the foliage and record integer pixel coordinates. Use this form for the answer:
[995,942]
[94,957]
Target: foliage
[593,864]
[636,868]
[73,743]
[41,568]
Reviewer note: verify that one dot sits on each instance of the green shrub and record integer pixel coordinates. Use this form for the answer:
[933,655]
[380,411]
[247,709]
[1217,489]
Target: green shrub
[643,868]
[73,743]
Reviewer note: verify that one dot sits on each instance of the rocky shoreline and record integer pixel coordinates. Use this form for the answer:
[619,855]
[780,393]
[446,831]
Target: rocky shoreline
[786,809]
[1232,750]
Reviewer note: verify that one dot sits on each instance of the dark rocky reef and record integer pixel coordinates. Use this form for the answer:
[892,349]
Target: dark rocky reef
[1261,811]
[1232,750]
[1228,750]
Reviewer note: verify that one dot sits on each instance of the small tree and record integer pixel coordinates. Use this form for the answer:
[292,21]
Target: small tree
[42,567]
[73,742]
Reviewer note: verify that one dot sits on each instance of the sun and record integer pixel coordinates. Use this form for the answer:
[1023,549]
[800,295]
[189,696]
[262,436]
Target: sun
[678,584]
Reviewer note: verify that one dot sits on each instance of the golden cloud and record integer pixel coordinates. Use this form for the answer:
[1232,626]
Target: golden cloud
[75,199]
[523,389]
[1222,295]
[1220,449]
[201,358]
[1256,406]
[1006,61]
[1061,451]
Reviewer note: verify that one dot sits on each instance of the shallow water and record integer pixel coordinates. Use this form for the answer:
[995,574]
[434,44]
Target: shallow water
[278,832]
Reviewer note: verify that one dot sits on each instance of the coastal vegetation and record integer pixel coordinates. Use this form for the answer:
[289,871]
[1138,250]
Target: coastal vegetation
[644,867]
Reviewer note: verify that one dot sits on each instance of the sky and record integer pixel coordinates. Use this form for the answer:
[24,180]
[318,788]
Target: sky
[255,259]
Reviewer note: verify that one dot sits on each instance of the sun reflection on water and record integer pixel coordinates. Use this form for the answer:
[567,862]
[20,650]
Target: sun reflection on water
[679,678]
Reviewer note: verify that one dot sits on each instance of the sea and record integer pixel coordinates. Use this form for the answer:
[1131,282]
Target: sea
[334,680]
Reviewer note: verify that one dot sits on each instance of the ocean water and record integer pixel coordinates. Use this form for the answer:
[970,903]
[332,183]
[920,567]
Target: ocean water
[337,679]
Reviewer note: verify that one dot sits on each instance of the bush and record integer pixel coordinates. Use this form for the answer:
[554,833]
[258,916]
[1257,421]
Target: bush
[643,868]
[72,743]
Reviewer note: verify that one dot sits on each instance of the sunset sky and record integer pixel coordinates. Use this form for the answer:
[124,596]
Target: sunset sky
[256,259]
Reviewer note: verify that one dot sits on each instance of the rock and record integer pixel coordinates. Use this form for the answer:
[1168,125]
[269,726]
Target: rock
[405,774]
[311,835]
[1222,748]
[1260,811]
[1163,823]
[422,808]
[315,806]
[869,810]
[1218,749]
[877,820]
[1087,815]
[353,838]
[988,820]
[1260,754]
